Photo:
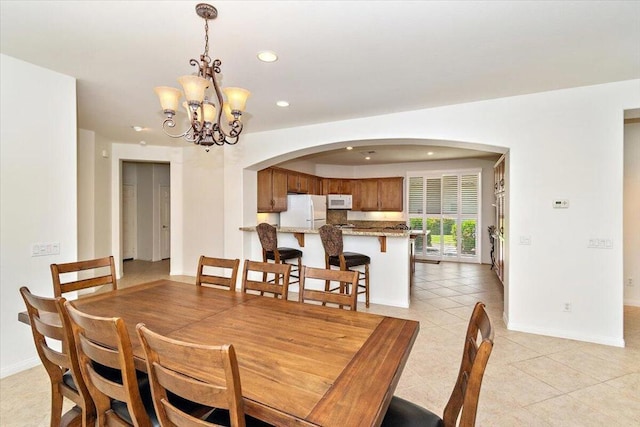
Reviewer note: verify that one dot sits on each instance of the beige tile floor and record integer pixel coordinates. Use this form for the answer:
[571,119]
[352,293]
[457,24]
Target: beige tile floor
[531,380]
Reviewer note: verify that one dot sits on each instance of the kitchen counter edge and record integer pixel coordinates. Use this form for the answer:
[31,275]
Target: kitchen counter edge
[345,231]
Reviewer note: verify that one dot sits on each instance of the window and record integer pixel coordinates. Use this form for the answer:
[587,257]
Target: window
[447,206]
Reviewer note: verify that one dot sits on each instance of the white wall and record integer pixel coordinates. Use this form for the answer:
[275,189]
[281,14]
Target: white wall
[38,193]
[563,144]
[632,213]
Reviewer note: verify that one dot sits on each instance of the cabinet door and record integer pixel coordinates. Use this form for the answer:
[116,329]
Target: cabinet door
[333,185]
[279,190]
[303,184]
[292,182]
[265,194]
[272,190]
[367,194]
[390,193]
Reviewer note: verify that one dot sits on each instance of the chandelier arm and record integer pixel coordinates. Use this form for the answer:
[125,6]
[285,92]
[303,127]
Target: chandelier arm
[170,123]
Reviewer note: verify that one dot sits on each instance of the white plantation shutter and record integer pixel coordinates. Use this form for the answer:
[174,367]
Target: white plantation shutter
[416,195]
[469,194]
[448,205]
[434,197]
[450,194]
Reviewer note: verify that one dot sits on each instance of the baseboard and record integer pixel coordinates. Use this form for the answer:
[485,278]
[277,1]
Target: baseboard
[19,367]
[615,342]
[632,302]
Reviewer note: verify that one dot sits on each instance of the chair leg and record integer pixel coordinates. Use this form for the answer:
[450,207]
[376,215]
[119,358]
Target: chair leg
[56,405]
[366,284]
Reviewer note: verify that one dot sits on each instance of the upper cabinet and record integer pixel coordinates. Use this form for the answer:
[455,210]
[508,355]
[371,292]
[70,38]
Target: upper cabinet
[298,183]
[378,194]
[272,190]
[369,194]
[337,186]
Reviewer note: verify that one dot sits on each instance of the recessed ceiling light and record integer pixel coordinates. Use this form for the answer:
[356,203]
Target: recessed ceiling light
[349,148]
[429,153]
[267,56]
[282,104]
[368,158]
[137,128]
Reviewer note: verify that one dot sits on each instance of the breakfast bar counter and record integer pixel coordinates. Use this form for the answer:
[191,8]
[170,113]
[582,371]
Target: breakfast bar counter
[389,250]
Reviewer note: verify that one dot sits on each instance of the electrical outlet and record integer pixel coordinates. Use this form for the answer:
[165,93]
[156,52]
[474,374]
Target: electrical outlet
[567,307]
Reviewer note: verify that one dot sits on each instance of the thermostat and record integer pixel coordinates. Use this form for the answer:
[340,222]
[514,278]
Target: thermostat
[561,203]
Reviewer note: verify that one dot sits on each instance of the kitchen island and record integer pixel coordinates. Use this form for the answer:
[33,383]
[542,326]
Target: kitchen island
[389,250]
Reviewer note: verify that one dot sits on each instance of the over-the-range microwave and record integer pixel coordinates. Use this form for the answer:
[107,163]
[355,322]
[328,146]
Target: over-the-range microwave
[339,201]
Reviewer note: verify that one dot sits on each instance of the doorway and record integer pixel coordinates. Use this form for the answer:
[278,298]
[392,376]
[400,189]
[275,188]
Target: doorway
[146,207]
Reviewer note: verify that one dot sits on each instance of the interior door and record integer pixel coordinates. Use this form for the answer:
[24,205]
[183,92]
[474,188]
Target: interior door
[165,221]
[129,221]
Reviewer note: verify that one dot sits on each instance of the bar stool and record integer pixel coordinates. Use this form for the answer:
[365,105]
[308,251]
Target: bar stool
[334,255]
[270,251]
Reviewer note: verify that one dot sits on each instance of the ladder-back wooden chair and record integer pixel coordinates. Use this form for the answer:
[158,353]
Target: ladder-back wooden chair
[60,360]
[342,299]
[104,269]
[278,287]
[227,272]
[203,374]
[462,406]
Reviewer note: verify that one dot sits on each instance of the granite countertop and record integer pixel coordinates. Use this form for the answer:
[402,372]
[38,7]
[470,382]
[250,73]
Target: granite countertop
[369,231]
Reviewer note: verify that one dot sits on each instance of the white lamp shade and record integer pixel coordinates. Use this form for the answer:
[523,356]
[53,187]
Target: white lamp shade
[193,87]
[209,112]
[169,97]
[236,97]
[227,112]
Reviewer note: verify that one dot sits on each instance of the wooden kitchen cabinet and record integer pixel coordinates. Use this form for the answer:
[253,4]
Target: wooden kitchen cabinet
[272,190]
[337,186]
[378,194]
[297,183]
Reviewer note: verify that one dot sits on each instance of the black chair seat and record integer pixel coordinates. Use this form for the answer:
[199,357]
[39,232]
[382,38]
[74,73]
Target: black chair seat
[221,417]
[121,409]
[285,253]
[402,413]
[352,259]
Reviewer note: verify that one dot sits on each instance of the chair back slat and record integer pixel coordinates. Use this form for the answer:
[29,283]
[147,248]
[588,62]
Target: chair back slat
[277,287]
[224,266]
[100,279]
[208,375]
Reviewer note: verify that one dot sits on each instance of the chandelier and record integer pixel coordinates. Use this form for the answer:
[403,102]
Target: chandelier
[204,115]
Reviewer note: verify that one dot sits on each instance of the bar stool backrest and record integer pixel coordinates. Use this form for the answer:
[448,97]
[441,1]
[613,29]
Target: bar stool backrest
[331,237]
[268,236]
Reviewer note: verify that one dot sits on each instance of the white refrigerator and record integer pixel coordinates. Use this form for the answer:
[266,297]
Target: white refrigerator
[304,211]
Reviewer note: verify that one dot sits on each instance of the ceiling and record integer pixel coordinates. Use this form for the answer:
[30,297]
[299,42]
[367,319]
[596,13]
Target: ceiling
[337,60]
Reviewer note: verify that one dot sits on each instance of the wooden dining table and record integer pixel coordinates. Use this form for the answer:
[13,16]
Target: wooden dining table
[300,364]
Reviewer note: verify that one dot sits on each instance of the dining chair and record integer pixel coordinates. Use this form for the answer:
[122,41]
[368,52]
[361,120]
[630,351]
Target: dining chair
[227,272]
[203,374]
[331,237]
[56,347]
[463,402]
[268,236]
[344,298]
[274,287]
[100,278]
[105,342]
